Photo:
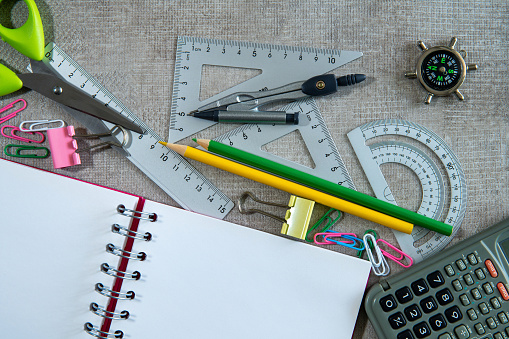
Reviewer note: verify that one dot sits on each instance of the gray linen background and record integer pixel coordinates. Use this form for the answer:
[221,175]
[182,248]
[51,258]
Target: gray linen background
[130,46]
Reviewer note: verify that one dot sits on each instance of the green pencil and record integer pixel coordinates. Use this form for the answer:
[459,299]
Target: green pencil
[324,186]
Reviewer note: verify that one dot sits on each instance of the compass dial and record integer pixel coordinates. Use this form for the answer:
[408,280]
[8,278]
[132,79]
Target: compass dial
[441,70]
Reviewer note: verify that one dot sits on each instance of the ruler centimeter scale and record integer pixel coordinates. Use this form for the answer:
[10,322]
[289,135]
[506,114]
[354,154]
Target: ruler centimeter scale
[435,200]
[280,65]
[181,181]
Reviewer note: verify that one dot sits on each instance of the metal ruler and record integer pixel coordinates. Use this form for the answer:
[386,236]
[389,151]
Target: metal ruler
[438,202]
[280,65]
[314,132]
[167,169]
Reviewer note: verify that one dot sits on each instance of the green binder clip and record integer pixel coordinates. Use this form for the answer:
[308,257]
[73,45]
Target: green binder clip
[20,151]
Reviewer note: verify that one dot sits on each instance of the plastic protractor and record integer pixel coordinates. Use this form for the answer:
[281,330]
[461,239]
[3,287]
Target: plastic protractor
[442,180]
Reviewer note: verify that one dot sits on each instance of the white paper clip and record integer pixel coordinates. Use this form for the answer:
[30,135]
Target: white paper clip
[379,264]
[34,125]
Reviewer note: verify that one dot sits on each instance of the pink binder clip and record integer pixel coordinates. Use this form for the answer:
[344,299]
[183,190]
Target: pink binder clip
[399,259]
[15,130]
[13,114]
[63,147]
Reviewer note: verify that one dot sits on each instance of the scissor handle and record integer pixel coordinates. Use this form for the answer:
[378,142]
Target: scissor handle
[9,81]
[29,38]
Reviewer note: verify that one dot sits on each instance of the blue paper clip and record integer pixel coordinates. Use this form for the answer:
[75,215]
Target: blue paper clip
[355,241]
[20,151]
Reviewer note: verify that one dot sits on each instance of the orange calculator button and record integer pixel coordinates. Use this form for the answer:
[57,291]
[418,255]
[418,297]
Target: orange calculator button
[503,291]
[491,268]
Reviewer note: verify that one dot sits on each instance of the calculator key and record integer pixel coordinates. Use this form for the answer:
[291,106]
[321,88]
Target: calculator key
[428,304]
[457,285]
[479,328]
[453,314]
[449,270]
[503,291]
[476,293]
[498,335]
[419,287]
[472,259]
[472,314]
[404,295]
[445,336]
[437,322]
[468,279]
[507,330]
[444,296]
[397,320]
[484,308]
[460,264]
[388,303]
[488,289]
[502,317]
[422,330]
[464,300]
[435,279]
[462,332]
[495,303]
[491,268]
[480,274]
[405,335]
[413,312]
[491,323]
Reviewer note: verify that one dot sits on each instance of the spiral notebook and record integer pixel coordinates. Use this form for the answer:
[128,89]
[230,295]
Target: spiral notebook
[73,266]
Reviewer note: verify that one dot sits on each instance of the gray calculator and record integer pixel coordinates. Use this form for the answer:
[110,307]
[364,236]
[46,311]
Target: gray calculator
[459,293]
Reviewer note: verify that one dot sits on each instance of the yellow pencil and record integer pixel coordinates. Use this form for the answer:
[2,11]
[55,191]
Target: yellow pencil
[291,187]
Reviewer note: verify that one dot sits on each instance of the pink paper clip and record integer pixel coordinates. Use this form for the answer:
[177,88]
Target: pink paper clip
[13,114]
[15,130]
[329,234]
[400,258]
[63,147]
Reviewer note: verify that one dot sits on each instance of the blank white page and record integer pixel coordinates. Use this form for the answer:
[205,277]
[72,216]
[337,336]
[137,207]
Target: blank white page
[54,232]
[207,278]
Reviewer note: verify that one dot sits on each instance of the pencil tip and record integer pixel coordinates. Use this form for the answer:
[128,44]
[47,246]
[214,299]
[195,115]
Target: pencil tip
[192,112]
[163,143]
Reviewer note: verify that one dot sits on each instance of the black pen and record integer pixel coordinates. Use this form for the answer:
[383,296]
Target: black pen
[249,117]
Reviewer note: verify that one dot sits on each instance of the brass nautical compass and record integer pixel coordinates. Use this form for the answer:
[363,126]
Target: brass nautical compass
[441,70]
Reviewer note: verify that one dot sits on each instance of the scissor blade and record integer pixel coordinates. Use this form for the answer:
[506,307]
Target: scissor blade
[66,94]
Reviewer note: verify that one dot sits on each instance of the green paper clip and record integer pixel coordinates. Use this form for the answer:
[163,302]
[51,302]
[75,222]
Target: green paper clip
[18,149]
[371,245]
[328,224]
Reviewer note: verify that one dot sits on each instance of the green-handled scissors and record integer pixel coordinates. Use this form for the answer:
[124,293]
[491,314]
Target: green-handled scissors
[29,41]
